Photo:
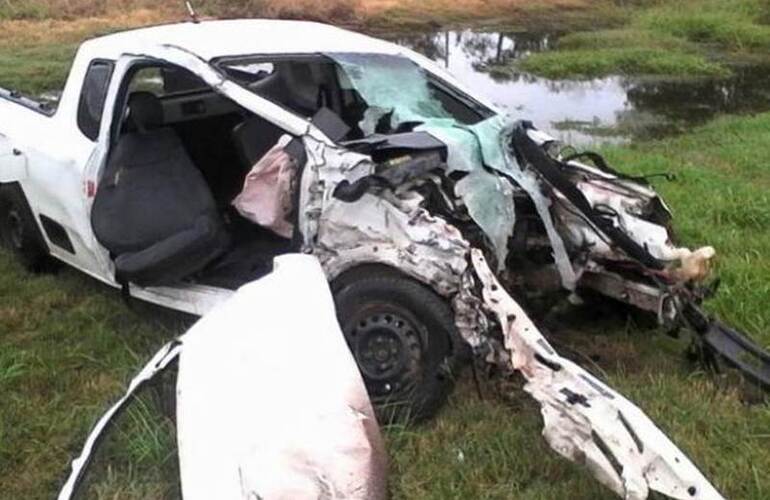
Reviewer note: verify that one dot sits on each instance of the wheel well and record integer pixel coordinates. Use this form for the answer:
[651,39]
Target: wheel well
[361,271]
[15,186]
[32,247]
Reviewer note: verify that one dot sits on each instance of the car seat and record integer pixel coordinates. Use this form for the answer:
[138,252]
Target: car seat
[153,210]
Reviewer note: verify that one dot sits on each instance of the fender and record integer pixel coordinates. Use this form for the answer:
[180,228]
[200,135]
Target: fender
[13,163]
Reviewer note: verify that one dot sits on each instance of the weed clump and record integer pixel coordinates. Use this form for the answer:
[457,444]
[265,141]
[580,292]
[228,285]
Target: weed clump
[586,63]
[734,25]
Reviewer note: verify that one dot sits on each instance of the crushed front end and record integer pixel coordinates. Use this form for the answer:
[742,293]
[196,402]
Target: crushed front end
[398,200]
[488,210]
[614,236]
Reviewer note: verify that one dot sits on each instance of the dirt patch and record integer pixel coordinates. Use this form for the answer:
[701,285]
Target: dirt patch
[601,335]
[27,33]
[76,17]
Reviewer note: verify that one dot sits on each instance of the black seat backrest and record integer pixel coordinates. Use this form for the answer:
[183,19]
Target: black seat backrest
[292,85]
[253,138]
[150,189]
[145,111]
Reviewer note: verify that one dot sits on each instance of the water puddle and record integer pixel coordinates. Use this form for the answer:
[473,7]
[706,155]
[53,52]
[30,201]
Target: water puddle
[614,109]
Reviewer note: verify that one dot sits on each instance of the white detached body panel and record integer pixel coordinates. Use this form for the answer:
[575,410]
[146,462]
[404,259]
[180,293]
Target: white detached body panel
[270,403]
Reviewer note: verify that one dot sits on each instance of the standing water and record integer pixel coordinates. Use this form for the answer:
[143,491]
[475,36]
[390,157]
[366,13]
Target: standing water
[615,109]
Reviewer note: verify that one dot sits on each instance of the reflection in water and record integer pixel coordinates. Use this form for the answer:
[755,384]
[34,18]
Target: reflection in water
[612,109]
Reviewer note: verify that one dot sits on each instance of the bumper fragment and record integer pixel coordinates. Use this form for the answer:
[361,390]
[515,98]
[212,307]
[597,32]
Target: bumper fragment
[584,420]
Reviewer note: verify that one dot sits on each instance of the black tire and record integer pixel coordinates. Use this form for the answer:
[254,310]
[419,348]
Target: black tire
[19,231]
[403,337]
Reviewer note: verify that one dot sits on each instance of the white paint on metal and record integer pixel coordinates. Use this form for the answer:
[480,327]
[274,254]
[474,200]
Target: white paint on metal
[270,403]
[584,420]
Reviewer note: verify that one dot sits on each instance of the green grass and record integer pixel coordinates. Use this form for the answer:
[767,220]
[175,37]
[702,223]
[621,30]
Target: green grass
[588,63]
[375,15]
[35,70]
[591,54]
[663,38]
[35,56]
[722,198]
[733,24]
[69,346]
[23,10]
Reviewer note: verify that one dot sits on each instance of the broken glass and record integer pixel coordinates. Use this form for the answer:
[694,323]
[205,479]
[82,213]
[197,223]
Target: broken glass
[489,200]
[405,96]
[391,83]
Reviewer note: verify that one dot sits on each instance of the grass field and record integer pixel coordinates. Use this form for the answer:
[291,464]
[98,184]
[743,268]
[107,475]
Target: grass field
[638,37]
[363,11]
[682,38]
[68,345]
[39,37]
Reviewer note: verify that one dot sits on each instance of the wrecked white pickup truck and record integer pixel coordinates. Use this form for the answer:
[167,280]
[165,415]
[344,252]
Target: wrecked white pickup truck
[182,159]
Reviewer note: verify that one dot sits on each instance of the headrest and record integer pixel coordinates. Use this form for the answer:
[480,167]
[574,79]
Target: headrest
[145,111]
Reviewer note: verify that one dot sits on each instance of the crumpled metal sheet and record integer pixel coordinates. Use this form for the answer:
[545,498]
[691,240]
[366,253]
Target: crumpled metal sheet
[392,231]
[388,229]
[625,201]
[494,135]
[584,420]
[270,403]
[528,181]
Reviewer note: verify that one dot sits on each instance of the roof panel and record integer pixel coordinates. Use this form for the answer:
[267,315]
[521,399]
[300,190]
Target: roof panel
[212,39]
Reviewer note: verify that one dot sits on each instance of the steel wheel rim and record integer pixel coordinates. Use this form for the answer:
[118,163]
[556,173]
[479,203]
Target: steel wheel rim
[386,345]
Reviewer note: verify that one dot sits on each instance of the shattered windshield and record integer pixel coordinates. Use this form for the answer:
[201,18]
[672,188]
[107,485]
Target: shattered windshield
[376,94]
[402,96]
[372,93]
[398,92]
